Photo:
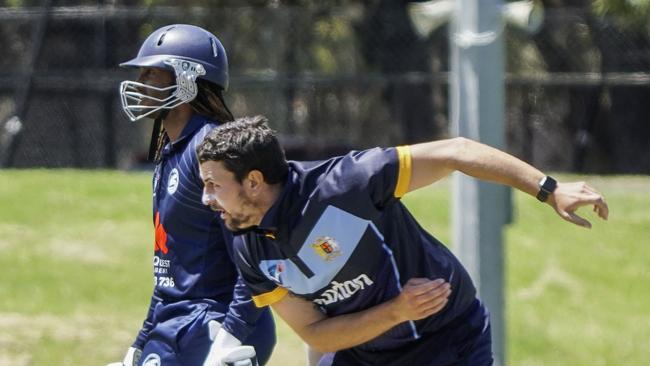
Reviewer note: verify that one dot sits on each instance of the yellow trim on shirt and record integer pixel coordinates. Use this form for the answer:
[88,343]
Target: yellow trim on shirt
[269,298]
[404,175]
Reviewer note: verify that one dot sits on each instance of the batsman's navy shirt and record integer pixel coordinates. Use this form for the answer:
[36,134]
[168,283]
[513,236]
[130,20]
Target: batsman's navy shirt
[192,256]
[339,236]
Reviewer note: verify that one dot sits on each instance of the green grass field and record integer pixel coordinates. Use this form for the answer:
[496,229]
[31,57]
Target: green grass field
[75,264]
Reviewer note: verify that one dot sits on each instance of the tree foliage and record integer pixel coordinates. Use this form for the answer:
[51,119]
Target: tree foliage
[627,11]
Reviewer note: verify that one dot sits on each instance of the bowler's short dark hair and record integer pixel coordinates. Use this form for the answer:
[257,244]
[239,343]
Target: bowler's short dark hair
[243,145]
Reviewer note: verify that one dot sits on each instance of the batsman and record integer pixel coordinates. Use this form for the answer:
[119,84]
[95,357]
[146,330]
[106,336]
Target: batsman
[200,311]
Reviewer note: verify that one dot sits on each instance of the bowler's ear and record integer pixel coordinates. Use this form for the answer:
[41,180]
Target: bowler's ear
[254,181]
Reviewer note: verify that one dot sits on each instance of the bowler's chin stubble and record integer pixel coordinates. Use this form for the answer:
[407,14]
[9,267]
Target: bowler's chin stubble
[235,225]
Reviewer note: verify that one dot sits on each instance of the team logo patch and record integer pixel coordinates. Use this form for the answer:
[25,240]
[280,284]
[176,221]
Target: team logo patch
[327,248]
[275,270]
[151,360]
[172,183]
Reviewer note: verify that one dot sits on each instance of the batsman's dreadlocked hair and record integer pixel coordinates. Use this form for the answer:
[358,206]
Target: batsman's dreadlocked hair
[158,140]
[209,103]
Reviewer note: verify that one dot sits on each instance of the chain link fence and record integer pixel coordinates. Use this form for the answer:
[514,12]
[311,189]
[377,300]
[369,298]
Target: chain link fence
[328,78]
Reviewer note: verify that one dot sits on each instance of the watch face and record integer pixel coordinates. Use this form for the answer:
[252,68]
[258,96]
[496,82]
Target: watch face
[549,184]
[542,181]
[546,186]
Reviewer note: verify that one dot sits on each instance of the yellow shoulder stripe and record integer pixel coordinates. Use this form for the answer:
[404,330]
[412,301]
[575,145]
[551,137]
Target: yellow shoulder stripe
[269,298]
[404,175]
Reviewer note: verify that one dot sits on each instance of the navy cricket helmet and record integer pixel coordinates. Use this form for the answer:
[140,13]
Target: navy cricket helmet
[190,52]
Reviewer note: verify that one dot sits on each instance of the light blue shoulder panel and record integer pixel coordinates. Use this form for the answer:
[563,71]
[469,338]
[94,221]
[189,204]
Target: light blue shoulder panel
[325,251]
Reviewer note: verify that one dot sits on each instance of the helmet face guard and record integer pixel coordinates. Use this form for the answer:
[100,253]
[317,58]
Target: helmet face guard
[190,52]
[132,93]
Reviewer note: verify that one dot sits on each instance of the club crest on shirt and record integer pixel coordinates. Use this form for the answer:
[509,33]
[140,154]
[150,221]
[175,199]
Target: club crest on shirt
[327,248]
[172,183]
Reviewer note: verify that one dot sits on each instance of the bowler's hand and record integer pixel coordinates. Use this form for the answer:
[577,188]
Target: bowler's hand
[422,297]
[568,197]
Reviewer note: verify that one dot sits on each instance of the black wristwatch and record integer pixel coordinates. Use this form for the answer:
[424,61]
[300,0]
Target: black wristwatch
[547,186]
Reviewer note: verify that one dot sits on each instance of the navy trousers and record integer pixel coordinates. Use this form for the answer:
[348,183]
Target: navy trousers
[181,337]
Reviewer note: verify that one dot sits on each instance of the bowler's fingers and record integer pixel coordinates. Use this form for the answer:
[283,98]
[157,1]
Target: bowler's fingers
[425,297]
[419,286]
[600,205]
[429,307]
[571,216]
[433,298]
[434,306]
[415,281]
[601,208]
[579,220]
[440,290]
[586,196]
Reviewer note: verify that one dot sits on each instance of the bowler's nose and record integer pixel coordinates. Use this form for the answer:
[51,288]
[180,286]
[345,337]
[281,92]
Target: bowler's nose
[206,198]
[209,199]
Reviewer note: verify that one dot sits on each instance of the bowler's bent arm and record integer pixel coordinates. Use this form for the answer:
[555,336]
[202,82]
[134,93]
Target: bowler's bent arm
[419,298]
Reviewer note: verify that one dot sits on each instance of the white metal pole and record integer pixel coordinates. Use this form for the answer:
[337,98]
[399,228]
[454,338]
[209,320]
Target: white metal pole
[477,111]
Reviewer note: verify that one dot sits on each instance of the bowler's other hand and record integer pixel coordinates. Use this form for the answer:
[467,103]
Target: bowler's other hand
[422,297]
[568,197]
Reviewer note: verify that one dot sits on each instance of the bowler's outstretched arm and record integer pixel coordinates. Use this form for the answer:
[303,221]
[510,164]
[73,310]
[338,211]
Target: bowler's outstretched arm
[434,160]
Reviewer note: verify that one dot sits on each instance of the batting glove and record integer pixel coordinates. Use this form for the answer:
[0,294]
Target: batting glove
[226,350]
[130,359]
